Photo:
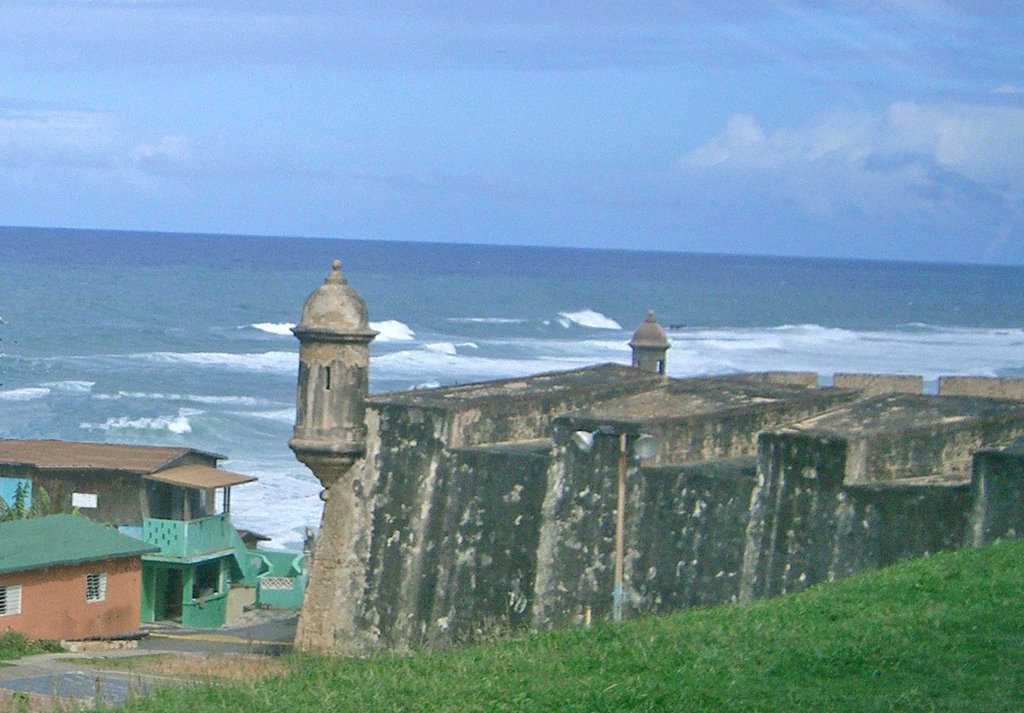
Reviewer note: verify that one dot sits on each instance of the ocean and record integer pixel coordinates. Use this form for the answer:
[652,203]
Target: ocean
[174,339]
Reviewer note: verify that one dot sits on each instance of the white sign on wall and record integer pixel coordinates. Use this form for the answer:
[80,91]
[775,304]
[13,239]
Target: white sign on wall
[83,500]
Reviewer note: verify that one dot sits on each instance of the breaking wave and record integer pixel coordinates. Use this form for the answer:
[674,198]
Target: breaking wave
[193,398]
[442,348]
[70,387]
[261,362]
[918,349]
[27,394]
[391,330]
[588,318]
[178,424]
[281,328]
[487,320]
[423,366]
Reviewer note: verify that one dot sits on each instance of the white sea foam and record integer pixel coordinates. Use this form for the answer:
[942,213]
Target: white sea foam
[71,387]
[194,398]
[229,400]
[391,330]
[285,415]
[178,424]
[601,349]
[442,348]
[915,349]
[27,394]
[255,426]
[421,366]
[281,328]
[283,362]
[588,318]
[930,352]
[281,505]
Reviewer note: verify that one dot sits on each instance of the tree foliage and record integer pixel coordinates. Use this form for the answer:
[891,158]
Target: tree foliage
[20,507]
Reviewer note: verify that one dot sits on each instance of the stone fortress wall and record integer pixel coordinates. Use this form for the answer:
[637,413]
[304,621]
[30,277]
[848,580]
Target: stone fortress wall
[475,509]
[486,517]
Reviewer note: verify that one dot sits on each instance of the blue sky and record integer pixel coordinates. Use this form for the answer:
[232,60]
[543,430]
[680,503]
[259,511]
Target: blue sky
[853,129]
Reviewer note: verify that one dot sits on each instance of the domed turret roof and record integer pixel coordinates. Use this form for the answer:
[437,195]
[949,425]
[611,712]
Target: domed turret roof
[650,335]
[335,308]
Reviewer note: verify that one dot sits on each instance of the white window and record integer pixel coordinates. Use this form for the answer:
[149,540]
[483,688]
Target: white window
[10,599]
[96,587]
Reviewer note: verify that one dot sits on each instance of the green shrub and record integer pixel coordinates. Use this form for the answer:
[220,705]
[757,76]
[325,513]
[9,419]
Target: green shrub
[14,644]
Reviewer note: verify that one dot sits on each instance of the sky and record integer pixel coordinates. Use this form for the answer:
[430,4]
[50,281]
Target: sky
[880,130]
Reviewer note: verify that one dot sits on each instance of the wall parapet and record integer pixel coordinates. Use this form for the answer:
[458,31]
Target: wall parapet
[984,386]
[877,384]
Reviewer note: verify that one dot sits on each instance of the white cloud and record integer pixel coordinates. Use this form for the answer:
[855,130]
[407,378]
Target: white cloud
[68,140]
[169,154]
[906,158]
[77,138]
[742,138]
[982,143]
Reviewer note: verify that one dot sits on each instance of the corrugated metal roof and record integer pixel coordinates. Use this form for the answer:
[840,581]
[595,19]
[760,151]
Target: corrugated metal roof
[200,476]
[45,454]
[62,539]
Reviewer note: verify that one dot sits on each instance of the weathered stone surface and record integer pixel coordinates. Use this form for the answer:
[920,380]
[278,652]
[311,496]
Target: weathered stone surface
[997,492]
[649,345]
[476,510]
[696,420]
[335,612]
[703,419]
[882,523]
[791,533]
[899,436]
[518,409]
[330,437]
[576,544]
[688,534]
[988,387]
[808,379]
[479,576]
[334,361]
[875,384]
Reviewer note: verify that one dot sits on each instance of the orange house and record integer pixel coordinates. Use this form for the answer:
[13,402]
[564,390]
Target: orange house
[64,577]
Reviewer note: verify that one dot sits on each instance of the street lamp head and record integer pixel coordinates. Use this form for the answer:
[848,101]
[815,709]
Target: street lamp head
[583,440]
[646,446]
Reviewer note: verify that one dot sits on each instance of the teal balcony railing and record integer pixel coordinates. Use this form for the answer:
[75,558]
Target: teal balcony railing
[189,538]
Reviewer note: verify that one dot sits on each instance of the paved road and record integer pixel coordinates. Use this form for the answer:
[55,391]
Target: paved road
[64,676]
[260,632]
[57,678]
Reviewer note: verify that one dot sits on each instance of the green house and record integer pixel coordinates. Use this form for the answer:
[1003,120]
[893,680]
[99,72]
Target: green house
[190,579]
[202,565]
[203,573]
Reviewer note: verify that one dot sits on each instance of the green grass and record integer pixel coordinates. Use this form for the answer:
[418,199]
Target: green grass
[939,634]
[14,645]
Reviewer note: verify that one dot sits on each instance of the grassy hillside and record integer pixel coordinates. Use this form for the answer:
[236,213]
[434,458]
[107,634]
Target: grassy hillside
[944,633]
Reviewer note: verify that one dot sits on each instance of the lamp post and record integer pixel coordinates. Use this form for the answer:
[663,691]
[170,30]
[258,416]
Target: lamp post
[646,446]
